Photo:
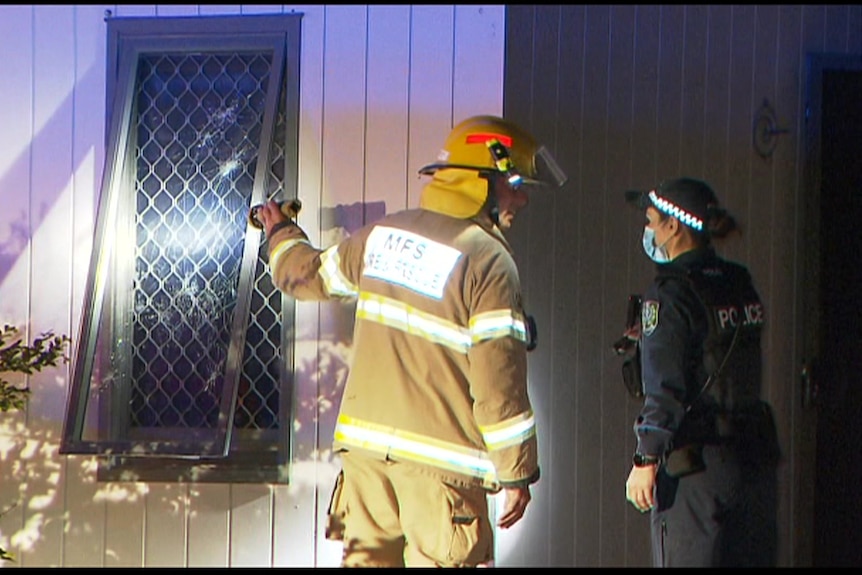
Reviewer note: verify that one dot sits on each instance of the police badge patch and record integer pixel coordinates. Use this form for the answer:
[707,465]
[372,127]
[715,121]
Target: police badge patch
[649,316]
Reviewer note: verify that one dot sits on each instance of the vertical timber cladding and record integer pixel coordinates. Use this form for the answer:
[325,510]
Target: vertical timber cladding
[555,84]
[694,77]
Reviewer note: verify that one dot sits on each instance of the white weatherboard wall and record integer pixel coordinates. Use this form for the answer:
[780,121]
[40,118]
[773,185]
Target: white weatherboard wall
[380,88]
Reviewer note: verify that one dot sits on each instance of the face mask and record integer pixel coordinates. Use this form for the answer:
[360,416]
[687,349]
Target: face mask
[656,253]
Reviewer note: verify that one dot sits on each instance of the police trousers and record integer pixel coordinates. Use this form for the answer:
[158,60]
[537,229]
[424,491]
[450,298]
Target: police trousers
[721,516]
[394,514]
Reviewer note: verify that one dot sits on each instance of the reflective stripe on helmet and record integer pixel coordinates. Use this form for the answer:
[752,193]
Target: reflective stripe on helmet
[483,138]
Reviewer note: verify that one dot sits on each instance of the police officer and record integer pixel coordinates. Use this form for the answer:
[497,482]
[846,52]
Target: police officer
[705,463]
[435,414]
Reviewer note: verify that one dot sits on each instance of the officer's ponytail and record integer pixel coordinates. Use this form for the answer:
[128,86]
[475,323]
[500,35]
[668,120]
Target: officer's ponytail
[720,223]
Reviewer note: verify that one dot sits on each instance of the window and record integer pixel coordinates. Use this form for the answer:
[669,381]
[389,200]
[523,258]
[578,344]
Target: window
[183,366]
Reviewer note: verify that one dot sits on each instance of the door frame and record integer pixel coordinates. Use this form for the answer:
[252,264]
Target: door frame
[805,404]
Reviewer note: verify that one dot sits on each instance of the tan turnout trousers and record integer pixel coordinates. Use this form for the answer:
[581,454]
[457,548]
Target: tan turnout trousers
[398,514]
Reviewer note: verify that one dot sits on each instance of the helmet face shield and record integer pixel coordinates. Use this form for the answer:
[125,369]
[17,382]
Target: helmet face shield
[548,171]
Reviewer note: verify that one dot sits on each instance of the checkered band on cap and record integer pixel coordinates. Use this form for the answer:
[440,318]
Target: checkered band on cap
[675,211]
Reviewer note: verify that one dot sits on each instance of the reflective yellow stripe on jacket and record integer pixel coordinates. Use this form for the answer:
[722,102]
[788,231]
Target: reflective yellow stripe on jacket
[330,270]
[335,282]
[513,431]
[498,323]
[282,249]
[398,315]
[405,445]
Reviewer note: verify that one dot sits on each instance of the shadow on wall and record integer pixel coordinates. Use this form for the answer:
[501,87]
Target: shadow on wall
[351,217]
[29,460]
[14,220]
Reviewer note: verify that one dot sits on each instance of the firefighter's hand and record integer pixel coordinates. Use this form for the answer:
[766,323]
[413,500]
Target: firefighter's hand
[640,487]
[516,500]
[270,214]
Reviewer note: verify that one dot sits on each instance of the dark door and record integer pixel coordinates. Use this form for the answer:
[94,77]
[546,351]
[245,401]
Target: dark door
[836,83]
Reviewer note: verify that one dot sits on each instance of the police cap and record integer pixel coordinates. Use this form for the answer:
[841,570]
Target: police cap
[689,200]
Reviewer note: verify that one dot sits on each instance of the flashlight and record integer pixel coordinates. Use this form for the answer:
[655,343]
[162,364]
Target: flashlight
[289,208]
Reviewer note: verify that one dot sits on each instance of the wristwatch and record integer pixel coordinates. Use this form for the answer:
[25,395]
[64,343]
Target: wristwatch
[641,460]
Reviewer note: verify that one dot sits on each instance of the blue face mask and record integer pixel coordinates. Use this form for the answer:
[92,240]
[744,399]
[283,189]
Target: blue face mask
[656,253]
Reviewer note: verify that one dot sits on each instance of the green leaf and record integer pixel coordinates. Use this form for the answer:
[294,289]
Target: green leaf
[47,350]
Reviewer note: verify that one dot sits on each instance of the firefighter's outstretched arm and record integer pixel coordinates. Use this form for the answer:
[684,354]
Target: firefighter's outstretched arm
[294,262]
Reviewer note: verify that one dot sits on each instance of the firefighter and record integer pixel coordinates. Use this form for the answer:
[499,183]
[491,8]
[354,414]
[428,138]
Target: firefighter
[705,462]
[435,414]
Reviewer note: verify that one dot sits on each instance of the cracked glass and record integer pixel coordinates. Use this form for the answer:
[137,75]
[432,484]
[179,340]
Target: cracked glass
[185,345]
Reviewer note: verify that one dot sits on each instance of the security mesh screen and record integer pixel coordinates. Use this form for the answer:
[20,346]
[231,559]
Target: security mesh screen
[198,127]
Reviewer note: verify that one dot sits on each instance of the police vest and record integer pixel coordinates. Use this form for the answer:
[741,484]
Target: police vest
[735,319]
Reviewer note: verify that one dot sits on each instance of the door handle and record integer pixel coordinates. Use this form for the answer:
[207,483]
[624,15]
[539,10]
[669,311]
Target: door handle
[810,384]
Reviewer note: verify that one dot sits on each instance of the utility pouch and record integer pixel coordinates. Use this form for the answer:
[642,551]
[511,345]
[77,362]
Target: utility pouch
[685,460]
[628,347]
[335,512]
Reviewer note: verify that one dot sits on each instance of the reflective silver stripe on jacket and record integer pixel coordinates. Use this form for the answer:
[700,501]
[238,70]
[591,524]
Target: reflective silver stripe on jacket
[404,445]
[398,315]
[336,282]
[498,323]
[513,431]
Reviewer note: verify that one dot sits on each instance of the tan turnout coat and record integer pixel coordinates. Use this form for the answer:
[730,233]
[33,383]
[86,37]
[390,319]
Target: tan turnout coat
[439,370]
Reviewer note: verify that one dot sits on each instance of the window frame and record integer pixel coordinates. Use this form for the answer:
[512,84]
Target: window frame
[222,453]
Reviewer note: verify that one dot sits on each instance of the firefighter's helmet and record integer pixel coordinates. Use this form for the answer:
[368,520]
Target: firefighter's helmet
[477,148]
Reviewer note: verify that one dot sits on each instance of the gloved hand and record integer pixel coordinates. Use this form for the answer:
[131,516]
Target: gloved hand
[289,209]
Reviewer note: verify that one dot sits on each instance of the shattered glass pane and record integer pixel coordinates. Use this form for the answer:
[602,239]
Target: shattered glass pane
[198,127]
